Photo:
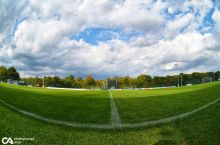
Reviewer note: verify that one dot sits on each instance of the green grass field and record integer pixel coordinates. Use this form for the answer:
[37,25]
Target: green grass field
[140,106]
[134,106]
[78,106]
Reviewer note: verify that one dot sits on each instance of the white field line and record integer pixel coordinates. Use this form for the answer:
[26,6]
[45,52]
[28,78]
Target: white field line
[54,121]
[110,126]
[73,89]
[115,118]
[169,119]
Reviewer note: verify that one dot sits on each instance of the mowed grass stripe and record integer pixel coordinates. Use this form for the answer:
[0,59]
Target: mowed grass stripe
[71,106]
[115,118]
[161,91]
[110,126]
[54,121]
[169,119]
[203,128]
[134,109]
[173,105]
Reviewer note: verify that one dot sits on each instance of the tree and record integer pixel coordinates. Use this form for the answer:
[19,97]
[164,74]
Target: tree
[133,82]
[69,81]
[171,81]
[38,82]
[212,75]
[13,74]
[197,78]
[57,81]
[3,73]
[159,81]
[126,81]
[90,81]
[99,83]
[217,75]
[79,83]
[144,81]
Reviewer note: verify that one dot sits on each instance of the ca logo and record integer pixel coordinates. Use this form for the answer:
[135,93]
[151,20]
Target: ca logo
[6,140]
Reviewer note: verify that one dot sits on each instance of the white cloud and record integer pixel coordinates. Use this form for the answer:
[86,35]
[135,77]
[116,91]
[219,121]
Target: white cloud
[42,41]
[170,10]
[216,18]
[180,23]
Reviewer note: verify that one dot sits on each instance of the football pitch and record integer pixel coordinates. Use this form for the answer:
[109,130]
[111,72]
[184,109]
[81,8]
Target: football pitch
[185,115]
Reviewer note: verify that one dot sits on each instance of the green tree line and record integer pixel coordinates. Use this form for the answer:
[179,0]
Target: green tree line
[67,82]
[146,81]
[8,73]
[141,81]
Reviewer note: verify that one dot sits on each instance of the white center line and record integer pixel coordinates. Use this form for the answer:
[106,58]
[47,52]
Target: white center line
[115,118]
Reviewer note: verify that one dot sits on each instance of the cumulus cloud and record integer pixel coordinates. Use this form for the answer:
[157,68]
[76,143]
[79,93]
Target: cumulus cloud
[216,18]
[180,23]
[36,36]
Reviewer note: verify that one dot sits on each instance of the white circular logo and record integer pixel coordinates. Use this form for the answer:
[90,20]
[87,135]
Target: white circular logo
[6,140]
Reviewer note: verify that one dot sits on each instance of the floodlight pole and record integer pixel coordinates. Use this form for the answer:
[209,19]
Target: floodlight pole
[213,75]
[111,74]
[181,79]
[181,75]
[43,76]
[43,81]
[24,78]
[178,82]
[113,62]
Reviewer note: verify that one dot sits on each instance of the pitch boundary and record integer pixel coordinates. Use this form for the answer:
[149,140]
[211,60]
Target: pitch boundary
[109,126]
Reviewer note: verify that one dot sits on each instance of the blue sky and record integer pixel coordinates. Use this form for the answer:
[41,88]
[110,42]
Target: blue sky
[84,37]
[95,35]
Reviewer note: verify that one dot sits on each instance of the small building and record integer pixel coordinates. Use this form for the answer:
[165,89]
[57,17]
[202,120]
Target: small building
[15,82]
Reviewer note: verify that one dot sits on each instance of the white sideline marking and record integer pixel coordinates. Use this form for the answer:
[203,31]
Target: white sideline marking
[169,119]
[115,118]
[74,89]
[110,126]
[54,121]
